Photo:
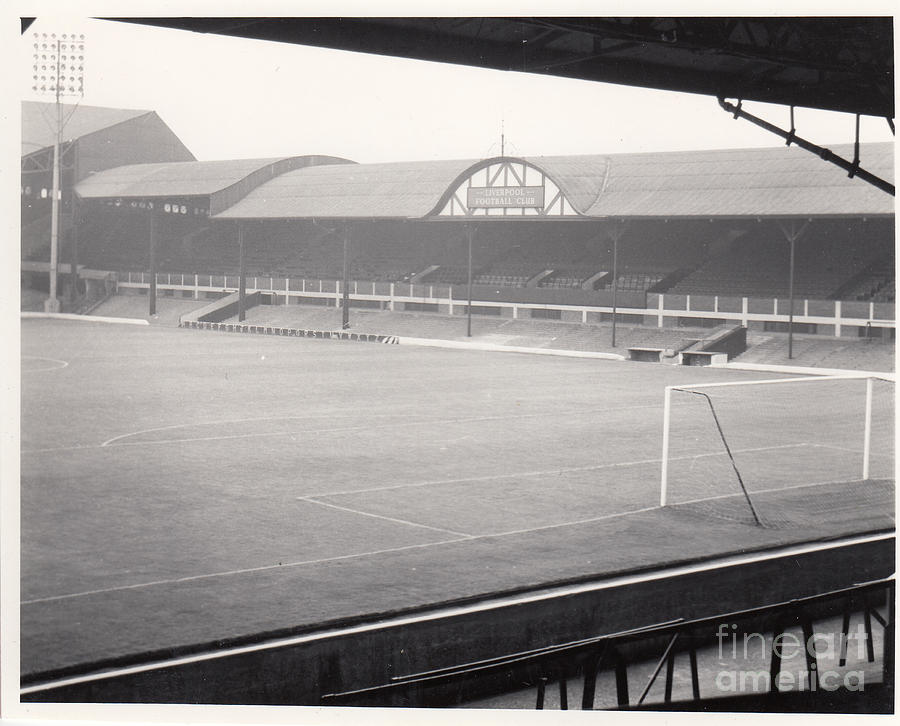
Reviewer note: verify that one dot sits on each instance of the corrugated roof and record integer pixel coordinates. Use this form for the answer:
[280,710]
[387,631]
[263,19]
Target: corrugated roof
[39,122]
[180,178]
[778,181]
[580,177]
[398,190]
[742,182]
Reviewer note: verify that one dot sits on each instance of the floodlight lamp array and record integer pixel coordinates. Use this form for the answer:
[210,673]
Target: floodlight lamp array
[58,63]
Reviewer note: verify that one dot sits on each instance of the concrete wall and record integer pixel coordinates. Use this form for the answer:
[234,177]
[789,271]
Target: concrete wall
[222,309]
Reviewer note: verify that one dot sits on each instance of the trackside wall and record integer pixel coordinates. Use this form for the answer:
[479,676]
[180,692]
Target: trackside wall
[823,317]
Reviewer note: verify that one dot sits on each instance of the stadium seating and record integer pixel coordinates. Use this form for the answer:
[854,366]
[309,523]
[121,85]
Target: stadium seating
[386,257]
[115,242]
[501,280]
[757,265]
[876,284]
[447,275]
[508,273]
[197,250]
[568,276]
[636,281]
[840,260]
[36,238]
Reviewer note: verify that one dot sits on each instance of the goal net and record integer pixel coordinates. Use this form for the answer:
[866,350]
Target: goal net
[780,452]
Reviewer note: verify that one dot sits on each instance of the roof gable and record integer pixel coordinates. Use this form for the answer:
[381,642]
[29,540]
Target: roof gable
[39,122]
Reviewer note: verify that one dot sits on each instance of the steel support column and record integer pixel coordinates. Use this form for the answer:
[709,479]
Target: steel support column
[153,235]
[345,285]
[791,301]
[470,234]
[242,274]
[615,286]
[615,232]
[792,233]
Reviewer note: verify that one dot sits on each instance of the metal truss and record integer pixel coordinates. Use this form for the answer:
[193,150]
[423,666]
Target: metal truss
[42,161]
[852,168]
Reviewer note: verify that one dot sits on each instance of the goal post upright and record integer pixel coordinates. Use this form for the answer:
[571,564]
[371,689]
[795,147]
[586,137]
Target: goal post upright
[664,480]
[867,435]
[869,378]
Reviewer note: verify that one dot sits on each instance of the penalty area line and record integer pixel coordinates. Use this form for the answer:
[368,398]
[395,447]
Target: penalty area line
[385,518]
[336,558]
[545,472]
[242,571]
[391,550]
[771,490]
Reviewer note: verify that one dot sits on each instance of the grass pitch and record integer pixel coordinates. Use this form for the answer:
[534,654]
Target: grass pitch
[183,489]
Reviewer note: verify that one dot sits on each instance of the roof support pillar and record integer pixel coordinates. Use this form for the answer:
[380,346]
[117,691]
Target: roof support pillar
[470,230]
[345,285]
[242,274]
[153,262]
[792,232]
[615,232]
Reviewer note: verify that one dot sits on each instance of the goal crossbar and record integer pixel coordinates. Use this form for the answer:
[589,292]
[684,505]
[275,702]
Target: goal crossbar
[689,388]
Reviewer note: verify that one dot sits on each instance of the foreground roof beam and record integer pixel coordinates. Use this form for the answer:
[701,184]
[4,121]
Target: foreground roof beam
[820,151]
[575,60]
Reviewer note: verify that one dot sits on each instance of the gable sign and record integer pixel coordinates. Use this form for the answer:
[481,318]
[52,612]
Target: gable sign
[504,197]
[507,188]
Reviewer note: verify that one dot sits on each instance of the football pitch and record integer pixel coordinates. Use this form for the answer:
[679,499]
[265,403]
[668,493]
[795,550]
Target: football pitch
[182,489]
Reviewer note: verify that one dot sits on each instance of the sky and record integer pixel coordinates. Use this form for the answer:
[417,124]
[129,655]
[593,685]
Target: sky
[237,98]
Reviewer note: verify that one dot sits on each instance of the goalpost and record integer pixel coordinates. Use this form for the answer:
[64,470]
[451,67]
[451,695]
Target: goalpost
[737,443]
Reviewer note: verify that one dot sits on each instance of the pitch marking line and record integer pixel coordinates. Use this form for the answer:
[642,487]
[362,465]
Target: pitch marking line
[242,420]
[323,560]
[243,571]
[546,472]
[834,447]
[574,522]
[117,440]
[372,553]
[59,364]
[404,424]
[493,604]
[770,491]
[462,538]
[381,516]
[77,447]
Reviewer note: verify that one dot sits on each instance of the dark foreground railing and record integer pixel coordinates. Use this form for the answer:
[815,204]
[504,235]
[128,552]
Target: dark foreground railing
[585,659]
